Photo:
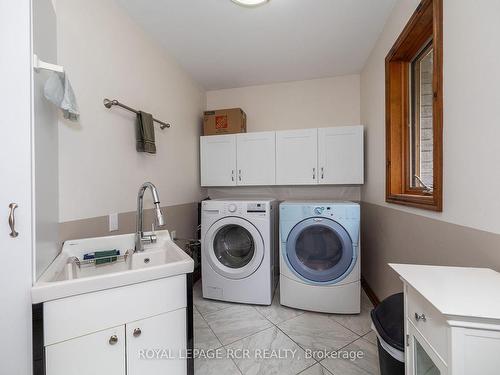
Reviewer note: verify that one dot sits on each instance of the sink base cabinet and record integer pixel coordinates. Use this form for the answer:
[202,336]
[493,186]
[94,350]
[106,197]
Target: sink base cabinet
[150,338]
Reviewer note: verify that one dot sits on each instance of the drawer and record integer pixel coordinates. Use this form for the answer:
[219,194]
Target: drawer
[428,321]
[75,316]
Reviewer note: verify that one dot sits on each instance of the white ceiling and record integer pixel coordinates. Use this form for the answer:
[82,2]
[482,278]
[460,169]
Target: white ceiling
[223,45]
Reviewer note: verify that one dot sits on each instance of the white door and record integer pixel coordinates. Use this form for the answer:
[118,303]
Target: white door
[102,352]
[15,187]
[296,157]
[157,345]
[218,160]
[256,158]
[340,155]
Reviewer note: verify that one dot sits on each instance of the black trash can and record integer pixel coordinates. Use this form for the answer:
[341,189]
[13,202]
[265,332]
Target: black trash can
[388,322]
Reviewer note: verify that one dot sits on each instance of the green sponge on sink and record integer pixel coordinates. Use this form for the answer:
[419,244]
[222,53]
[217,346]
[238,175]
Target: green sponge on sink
[105,256]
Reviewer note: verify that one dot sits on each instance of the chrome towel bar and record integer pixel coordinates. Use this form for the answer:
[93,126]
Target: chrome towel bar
[109,103]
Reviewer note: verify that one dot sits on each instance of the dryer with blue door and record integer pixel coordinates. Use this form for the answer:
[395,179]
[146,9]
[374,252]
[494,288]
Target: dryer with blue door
[319,256]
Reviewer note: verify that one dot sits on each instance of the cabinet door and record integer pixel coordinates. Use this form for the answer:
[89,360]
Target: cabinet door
[340,155]
[475,351]
[421,359]
[256,158]
[157,345]
[296,157]
[98,353]
[218,160]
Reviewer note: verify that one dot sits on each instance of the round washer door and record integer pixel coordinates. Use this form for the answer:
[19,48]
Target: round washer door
[233,247]
[320,250]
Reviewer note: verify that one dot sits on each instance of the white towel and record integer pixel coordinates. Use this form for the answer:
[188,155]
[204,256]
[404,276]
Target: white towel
[58,90]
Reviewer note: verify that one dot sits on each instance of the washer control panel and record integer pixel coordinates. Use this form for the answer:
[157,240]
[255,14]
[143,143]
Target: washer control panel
[256,207]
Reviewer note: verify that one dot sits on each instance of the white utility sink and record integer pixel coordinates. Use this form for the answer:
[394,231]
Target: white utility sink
[69,274]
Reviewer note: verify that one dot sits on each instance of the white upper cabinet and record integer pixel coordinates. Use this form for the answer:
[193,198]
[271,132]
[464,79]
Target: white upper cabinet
[296,157]
[218,160]
[340,155]
[256,158]
[329,156]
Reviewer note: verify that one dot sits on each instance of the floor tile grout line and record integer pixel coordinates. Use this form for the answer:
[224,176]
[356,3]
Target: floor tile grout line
[296,343]
[250,335]
[210,328]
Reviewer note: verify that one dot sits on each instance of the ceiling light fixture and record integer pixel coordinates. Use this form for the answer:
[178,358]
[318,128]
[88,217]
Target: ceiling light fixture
[250,3]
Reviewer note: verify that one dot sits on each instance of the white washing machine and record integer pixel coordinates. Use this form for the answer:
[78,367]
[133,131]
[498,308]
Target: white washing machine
[320,257]
[238,250]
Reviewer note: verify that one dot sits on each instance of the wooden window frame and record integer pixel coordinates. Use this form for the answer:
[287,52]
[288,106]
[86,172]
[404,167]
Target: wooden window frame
[425,24]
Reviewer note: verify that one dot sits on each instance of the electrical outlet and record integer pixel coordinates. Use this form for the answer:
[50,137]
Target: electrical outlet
[173,234]
[113,222]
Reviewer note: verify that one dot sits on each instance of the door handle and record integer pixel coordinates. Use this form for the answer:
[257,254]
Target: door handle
[232,175]
[322,173]
[239,174]
[12,220]
[314,173]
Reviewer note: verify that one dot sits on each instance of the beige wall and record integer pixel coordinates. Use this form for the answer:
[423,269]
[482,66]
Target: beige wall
[471,159]
[107,55]
[294,105]
[471,113]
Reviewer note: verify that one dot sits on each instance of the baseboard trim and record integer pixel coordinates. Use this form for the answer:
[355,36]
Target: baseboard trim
[369,292]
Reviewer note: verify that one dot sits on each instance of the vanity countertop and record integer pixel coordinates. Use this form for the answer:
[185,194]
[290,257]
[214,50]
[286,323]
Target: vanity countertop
[455,291]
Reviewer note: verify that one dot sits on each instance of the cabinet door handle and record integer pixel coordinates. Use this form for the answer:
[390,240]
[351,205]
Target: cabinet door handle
[113,340]
[137,332]
[314,173]
[420,317]
[239,174]
[322,173]
[12,220]
[232,175]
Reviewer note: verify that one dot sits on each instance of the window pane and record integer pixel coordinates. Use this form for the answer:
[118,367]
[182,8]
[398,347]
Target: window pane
[421,134]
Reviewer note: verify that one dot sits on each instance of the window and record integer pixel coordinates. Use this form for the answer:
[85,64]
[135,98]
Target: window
[414,111]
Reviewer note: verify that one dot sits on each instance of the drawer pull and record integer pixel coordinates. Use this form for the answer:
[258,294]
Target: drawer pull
[113,340]
[420,317]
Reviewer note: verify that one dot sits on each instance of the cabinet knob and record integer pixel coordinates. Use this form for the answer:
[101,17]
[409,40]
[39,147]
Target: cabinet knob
[420,317]
[113,340]
[137,332]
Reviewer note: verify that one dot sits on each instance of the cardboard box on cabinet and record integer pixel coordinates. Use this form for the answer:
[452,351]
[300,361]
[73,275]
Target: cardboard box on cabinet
[224,121]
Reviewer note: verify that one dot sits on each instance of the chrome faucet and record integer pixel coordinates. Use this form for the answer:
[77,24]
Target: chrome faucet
[140,238]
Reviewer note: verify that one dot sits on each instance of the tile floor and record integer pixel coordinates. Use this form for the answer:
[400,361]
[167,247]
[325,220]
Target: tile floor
[232,328]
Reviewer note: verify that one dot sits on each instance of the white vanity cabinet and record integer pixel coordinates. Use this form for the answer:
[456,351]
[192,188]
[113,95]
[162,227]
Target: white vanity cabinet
[297,157]
[452,320]
[139,329]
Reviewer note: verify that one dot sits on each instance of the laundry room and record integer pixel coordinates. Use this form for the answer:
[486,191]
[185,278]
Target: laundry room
[250,187]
